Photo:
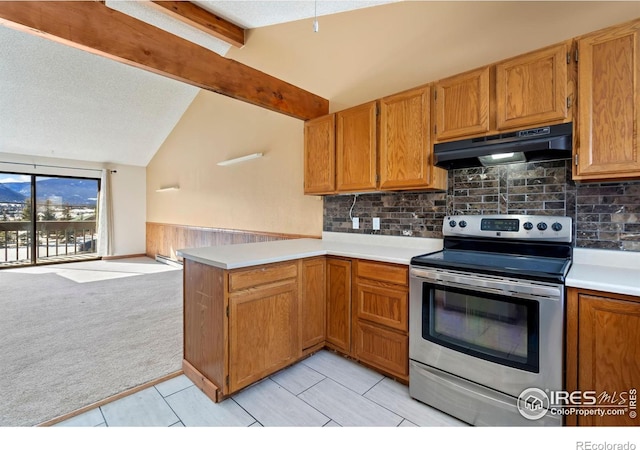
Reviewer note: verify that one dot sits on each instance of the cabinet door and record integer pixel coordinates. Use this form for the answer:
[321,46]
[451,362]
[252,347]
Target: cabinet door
[263,332]
[384,305]
[382,348]
[356,166]
[532,89]
[606,144]
[339,304]
[462,105]
[312,303]
[320,155]
[608,351]
[405,140]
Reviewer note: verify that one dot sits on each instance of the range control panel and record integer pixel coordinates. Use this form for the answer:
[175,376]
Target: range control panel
[510,226]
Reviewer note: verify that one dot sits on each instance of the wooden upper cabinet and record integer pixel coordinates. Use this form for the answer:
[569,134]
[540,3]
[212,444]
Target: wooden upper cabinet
[405,150]
[532,89]
[320,155]
[356,162]
[606,142]
[462,105]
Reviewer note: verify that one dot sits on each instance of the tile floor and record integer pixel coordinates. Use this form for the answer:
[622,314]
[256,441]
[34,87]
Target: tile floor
[324,390]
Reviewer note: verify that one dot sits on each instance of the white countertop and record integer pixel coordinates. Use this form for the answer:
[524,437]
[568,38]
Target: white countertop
[612,271]
[392,249]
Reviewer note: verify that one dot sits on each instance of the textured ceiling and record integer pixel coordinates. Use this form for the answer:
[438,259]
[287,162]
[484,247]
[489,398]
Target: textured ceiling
[254,14]
[57,101]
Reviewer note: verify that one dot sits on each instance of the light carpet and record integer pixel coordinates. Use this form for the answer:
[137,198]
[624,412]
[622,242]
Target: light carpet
[75,334]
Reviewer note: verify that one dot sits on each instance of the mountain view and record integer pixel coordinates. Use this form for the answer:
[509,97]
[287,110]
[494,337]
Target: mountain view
[72,191]
[8,195]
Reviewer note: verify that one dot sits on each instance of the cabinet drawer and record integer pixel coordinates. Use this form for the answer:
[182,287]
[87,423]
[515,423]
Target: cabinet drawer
[388,350]
[385,306]
[261,275]
[383,272]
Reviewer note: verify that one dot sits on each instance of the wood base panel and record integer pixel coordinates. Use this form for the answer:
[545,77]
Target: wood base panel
[210,390]
[313,349]
[113,398]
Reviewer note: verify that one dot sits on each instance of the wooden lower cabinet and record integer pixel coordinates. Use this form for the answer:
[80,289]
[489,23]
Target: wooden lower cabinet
[263,330]
[380,317]
[339,304]
[603,351]
[243,325]
[312,304]
[205,328]
[382,348]
[239,325]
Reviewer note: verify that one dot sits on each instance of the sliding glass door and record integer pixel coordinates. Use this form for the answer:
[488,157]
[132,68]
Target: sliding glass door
[46,219]
[16,225]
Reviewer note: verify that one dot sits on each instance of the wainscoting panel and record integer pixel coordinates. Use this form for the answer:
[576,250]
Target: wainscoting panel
[164,239]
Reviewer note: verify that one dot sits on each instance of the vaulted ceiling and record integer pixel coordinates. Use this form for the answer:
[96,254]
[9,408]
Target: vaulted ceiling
[64,102]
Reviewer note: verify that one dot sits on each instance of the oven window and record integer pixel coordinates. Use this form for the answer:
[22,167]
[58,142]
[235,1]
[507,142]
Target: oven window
[492,327]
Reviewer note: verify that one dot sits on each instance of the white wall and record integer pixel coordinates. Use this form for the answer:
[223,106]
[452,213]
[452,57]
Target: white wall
[128,189]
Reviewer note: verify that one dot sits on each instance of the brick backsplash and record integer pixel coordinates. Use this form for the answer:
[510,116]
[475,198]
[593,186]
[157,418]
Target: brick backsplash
[605,215]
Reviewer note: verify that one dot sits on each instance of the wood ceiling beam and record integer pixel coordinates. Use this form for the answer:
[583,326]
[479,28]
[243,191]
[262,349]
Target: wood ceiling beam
[203,20]
[93,27]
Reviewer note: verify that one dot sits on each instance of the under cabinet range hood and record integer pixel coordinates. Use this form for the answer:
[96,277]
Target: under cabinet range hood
[536,144]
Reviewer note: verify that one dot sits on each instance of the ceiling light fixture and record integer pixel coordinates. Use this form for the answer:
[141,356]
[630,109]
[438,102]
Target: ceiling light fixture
[316,27]
[168,188]
[229,162]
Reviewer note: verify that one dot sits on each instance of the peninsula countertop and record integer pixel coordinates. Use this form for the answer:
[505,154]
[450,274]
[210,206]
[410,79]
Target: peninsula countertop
[611,271]
[392,249]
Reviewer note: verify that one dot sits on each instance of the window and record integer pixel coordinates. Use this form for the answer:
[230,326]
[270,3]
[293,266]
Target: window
[47,219]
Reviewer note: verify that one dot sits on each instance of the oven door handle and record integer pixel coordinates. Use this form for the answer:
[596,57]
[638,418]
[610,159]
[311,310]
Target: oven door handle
[488,284]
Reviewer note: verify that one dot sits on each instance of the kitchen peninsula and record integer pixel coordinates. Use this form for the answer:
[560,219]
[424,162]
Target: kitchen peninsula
[252,309]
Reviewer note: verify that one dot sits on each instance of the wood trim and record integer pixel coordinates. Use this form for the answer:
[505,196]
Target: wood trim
[113,398]
[93,27]
[137,255]
[164,239]
[205,21]
[201,382]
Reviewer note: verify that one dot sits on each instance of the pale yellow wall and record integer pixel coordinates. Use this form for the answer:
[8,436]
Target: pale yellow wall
[260,195]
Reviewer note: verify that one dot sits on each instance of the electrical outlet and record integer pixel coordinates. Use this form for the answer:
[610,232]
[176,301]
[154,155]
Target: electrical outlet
[356,223]
[376,223]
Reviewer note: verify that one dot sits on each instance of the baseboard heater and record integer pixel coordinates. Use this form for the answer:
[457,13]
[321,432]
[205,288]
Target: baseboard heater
[166,260]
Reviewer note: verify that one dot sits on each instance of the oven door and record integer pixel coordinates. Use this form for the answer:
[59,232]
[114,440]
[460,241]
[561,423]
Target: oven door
[502,333]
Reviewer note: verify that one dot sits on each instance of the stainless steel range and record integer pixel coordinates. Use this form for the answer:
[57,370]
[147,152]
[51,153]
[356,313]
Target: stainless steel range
[487,316]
